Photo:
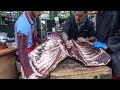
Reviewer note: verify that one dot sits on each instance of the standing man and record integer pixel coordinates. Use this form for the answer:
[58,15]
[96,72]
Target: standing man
[26,39]
[78,26]
[108,36]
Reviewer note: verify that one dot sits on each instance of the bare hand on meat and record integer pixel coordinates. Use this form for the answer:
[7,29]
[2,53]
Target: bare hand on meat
[91,39]
[69,44]
[81,39]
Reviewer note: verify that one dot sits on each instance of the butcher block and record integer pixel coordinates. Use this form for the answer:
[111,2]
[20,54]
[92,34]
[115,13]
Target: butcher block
[8,68]
[73,69]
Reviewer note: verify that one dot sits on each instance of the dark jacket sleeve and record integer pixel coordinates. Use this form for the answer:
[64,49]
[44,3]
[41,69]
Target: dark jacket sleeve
[22,49]
[91,29]
[67,25]
[114,41]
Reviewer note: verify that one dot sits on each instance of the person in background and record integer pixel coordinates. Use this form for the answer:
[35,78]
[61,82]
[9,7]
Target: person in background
[26,39]
[108,37]
[78,26]
[43,31]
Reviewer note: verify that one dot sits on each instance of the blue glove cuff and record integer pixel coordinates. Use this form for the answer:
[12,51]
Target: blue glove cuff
[99,45]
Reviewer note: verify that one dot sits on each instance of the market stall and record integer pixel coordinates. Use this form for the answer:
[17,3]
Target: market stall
[52,59]
[8,49]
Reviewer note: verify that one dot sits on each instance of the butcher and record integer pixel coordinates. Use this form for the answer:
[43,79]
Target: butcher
[108,37]
[78,26]
[26,39]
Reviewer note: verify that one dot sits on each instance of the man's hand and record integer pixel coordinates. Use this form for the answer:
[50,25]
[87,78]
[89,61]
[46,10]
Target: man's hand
[91,39]
[81,39]
[69,44]
[37,44]
[34,76]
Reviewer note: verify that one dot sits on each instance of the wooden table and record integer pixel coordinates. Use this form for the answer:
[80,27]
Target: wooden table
[73,69]
[8,68]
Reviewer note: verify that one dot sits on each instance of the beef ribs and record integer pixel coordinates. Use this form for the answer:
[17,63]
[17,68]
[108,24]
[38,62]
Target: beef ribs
[86,53]
[46,56]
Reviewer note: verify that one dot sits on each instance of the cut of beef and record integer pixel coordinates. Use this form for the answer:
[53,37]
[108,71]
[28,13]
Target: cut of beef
[87,54]
[44,58]
[50,54]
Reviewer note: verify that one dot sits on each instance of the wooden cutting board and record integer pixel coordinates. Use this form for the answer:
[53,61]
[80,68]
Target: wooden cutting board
[73,69]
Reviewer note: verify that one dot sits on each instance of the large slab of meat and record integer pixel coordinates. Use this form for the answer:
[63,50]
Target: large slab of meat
[46,57]
[87,54]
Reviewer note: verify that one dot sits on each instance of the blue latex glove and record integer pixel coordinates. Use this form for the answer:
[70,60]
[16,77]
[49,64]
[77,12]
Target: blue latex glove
[98,44]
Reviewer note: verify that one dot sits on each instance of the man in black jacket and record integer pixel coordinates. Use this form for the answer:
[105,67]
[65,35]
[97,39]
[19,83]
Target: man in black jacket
[108,37]
[78,26]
